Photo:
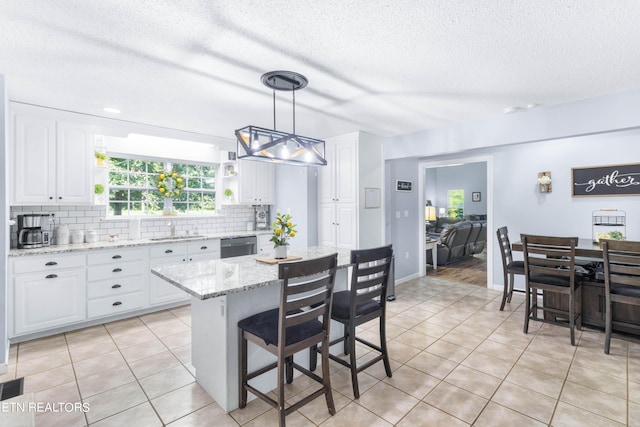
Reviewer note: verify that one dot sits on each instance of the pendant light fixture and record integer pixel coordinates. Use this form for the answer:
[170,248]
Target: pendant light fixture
[270,145]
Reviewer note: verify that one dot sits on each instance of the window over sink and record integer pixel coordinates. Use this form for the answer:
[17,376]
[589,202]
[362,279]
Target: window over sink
[133,188]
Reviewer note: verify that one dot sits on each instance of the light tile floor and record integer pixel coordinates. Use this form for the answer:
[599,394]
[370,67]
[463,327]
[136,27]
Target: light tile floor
[456,359]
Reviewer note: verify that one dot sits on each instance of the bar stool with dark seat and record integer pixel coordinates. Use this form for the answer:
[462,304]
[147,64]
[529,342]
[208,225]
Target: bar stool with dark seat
[365,301]
[302,321]
[621,281]
[549,266]
[509,267]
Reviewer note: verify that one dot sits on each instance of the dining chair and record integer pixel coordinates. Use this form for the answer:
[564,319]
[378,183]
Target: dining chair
[549,266]
[621,282]
[364,301]
[301,321]
[509,267]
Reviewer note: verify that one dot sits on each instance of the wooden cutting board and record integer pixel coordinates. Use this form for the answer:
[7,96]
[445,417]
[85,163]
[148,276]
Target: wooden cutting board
[271,260]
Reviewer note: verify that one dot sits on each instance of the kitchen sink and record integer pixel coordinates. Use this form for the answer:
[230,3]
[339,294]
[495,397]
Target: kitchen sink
[159,239]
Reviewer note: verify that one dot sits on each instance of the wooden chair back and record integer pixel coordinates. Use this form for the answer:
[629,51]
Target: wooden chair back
[369,279]
[306,295]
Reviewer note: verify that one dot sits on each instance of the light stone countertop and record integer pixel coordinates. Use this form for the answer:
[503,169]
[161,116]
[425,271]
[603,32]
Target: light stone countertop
[60,249]
[214,278]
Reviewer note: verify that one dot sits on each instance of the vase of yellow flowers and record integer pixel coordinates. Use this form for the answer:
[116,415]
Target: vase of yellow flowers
[283,230]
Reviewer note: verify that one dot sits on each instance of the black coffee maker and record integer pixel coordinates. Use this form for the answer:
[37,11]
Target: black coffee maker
[30,232]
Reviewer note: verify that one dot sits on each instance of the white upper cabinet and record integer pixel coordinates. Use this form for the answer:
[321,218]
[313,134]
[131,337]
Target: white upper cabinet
[256,183]
[74,161]
[338,180]
[34,161]
[51,162]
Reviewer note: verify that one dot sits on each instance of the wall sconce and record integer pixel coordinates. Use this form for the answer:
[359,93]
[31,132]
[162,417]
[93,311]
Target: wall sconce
[544,181]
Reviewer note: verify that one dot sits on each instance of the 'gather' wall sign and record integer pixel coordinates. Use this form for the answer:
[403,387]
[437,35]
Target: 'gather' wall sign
[613,180]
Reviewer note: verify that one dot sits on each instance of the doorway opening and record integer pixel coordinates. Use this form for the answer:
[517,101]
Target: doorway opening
[472,179]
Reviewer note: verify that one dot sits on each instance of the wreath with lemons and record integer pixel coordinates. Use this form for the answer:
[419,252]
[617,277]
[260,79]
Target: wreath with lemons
[170,184]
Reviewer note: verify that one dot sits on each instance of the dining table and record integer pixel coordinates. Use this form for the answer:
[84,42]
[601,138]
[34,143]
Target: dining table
[586,248]
[592,300]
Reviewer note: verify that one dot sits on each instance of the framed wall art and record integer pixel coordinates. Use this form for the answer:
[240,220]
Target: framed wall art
[404,185]
[612,180]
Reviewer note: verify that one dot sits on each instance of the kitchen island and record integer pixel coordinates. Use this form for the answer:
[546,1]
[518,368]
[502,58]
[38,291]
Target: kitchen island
[223,292]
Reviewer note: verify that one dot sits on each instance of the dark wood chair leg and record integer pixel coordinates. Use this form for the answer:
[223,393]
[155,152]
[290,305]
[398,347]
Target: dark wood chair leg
[511,280]
[572,319]
[607,326]
[326,379]
[526,310]
[346,338]
[505,292]
[383,346]
[243,371]
[282,371]
[313,358]
[352,361]
[289,369]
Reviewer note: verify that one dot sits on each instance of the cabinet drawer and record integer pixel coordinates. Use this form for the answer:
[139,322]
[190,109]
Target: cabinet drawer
[46,263]
[115,256]
[168,250]
[117,304]
[114,287]
[207,247]
[114,271]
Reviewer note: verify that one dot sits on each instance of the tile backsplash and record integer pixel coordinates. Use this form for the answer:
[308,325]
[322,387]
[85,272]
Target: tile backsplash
[229,218]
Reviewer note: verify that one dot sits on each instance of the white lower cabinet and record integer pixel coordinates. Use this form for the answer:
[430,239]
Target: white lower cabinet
[50,295]
[161,292]
[338,225]
[265,245]
[54,292]
[117,281]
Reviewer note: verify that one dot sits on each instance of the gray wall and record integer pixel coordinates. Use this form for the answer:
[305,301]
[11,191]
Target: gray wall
[296,193]
[517,202]
[4,218]
[471,177]
[402,231]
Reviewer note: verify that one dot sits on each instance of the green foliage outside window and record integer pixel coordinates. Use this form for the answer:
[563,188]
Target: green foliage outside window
[133,189]
[455,205]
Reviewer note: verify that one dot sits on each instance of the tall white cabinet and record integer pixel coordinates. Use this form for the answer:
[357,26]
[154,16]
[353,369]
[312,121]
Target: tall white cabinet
[51,161]
[354,163]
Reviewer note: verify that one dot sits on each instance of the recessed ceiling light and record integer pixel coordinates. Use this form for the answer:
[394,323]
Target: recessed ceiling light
[532,105]
[111,110]
[510,110]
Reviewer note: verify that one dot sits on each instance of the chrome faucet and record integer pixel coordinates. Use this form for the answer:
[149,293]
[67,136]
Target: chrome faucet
[172,228]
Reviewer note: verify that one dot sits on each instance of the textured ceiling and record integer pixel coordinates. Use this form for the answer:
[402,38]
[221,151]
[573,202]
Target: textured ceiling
[386,67]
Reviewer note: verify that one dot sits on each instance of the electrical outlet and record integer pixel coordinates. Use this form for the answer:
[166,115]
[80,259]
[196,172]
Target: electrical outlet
[397,214]
[406,214]
[406,255]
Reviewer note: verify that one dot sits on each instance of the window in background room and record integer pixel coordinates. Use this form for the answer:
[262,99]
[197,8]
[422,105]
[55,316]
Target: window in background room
[133,188]
[455,205]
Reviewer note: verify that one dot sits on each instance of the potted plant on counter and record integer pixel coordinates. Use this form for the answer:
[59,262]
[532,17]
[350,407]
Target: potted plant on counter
[283,230]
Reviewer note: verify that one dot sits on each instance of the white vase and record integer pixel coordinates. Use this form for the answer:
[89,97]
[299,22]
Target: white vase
[281,252]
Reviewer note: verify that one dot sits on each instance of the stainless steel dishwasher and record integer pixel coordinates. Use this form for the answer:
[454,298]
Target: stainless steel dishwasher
[238,246]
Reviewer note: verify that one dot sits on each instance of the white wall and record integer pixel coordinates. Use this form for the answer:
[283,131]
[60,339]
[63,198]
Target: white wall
[516,200]
[296,193]
[370,175]
[4,217]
